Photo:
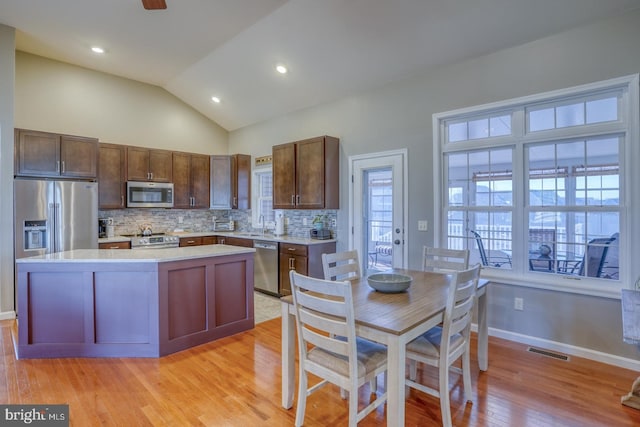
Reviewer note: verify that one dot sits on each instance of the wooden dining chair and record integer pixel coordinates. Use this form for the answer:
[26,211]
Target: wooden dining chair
[327,343]
[444,260]
[341,265]
[442,345]
[344,266]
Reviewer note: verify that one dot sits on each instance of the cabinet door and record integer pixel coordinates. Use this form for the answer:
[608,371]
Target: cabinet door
[160,165]
[288,263]
[111,176]
[115,245]
[310,174]
[190,241]
[241,181]
[209,240]
[137,164]
[284,168]
[220,182]
[37,153]
[200,181]
[78,157]
[181,180]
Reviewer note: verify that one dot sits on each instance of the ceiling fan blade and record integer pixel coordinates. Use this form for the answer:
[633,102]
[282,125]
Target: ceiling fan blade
[154,4]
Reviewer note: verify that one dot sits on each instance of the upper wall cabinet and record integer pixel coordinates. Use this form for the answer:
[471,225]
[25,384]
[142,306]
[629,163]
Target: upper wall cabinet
[112,161]
[190,180]
[144,164]
[44,154]
[231,182]
[306,174]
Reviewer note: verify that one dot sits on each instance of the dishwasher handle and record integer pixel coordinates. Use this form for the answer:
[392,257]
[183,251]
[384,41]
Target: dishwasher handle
[265,245]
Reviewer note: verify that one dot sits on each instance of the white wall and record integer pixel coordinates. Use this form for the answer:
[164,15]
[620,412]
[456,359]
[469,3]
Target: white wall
[7,43]
[399,116]
[58,97]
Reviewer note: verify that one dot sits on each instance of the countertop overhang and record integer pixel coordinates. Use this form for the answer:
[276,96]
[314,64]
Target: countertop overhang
[137,255]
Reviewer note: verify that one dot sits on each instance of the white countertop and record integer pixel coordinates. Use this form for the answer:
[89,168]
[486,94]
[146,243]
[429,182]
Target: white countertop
[137,255]
[240,234]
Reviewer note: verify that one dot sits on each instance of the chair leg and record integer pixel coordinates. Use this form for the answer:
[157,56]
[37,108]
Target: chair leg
[353,406]
[466,374]
[445,410]
[302,399]
[413,369]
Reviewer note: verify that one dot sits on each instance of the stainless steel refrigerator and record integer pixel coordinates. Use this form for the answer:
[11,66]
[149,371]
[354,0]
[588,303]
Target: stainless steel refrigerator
[54,216]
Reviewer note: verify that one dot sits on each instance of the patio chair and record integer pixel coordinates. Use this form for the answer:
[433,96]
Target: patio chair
[327,344]
[442,345]
[493,261]
[594,258]
[444,260]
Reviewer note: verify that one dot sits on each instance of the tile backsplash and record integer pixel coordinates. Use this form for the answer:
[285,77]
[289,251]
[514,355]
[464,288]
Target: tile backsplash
[129,221]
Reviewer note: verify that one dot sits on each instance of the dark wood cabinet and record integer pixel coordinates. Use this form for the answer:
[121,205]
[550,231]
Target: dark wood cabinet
[112,163]
[304,259]
[115,245]
[190,180]
[237,241]
[144,164]
[306,174]
[209,240]
[231,182]
[190,241]
[44,154]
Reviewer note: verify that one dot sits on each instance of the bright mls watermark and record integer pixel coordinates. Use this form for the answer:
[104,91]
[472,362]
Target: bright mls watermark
[34,415]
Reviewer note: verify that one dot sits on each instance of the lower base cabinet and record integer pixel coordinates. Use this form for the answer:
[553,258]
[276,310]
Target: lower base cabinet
[304,259]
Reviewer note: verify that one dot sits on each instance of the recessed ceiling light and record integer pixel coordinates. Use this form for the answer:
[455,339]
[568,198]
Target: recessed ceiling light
[97,49]
[281,69]
[215,99]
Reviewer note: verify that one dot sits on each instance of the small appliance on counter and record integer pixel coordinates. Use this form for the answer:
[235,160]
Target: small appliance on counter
[224,225]
[320,233]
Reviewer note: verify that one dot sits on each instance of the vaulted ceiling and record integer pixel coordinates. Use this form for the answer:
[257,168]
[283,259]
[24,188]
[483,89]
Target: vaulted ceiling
[197,49]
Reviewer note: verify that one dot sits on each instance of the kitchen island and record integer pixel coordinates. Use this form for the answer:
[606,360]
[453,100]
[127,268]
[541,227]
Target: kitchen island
[134,303]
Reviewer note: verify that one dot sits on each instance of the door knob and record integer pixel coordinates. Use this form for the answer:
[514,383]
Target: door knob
[397,241]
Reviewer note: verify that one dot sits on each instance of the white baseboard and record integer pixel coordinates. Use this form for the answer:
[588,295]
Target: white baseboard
[598,356]
[7,315]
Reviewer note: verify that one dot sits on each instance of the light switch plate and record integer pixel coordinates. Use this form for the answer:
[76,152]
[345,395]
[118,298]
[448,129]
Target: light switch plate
[423,225]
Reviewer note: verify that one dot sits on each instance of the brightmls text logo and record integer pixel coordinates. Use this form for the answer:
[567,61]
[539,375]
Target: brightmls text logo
[34,415]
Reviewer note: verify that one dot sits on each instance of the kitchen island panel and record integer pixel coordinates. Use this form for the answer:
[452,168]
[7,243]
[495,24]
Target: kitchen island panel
[224,294]
[57,309]
[231,299]
[124,309]
[187,301]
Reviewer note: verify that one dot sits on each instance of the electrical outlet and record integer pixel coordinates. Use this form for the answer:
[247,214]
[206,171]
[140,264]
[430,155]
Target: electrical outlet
[423,225]
[518,304]
[333,223]
[304,221]
[180,219]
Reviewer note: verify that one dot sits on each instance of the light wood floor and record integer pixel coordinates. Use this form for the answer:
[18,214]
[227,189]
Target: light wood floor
[236,382]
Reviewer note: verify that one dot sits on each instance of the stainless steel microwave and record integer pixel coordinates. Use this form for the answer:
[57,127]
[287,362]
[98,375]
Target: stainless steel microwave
[149,194]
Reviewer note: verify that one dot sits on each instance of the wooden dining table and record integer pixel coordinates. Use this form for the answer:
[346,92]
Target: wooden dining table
[393,320]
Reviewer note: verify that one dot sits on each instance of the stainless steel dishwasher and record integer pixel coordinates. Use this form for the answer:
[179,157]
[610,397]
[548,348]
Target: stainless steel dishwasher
[265,267]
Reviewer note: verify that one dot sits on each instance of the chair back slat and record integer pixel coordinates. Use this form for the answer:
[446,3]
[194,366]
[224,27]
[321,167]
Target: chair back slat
[458,312]
[326,342]
[444,260]
[341,265]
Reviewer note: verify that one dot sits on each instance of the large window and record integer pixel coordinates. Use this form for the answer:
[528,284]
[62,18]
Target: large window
[540,189]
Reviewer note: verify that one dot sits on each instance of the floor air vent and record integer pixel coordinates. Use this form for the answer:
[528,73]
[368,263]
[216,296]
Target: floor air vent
[548,353]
